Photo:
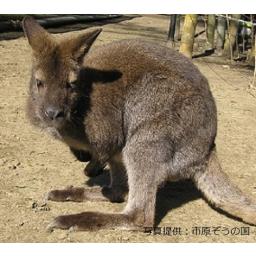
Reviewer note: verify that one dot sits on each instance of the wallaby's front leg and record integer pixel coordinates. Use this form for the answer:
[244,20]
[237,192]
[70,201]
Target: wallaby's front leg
[114,192]
[81,155]
[93,168]
[140,210]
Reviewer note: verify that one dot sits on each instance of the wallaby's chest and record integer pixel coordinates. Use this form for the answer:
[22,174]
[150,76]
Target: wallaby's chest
[76,143]
[75,137]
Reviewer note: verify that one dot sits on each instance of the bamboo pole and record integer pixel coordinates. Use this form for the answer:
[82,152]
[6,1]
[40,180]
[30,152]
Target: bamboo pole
[8,17]
[177,35]
[15,25]
[57,21]
[221,31]
[172,27]
[254,52]
[230,52]
[188,34]
[232,34]
[251,54]
[211,23]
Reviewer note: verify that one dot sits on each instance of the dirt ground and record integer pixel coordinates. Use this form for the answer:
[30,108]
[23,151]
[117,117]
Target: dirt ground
[31,163]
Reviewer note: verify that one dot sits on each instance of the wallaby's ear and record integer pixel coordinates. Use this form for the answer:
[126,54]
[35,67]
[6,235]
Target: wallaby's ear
[80,45]
[38,37]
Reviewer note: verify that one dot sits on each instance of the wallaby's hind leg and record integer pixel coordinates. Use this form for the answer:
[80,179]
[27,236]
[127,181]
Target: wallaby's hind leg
[115,192]
[145,174]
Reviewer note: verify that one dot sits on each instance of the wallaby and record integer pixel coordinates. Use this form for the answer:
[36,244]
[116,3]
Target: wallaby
[143,109]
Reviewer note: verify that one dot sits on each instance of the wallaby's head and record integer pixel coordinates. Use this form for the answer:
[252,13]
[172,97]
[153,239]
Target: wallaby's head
[54,86]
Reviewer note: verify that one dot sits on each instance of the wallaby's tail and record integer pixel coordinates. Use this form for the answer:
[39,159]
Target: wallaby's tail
[218,190]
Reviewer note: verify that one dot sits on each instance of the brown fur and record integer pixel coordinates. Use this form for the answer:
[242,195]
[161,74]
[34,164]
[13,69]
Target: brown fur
[144,109]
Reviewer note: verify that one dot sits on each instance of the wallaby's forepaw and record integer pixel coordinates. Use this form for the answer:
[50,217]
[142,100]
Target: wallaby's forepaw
[88,221]
[93,169]
[69,194]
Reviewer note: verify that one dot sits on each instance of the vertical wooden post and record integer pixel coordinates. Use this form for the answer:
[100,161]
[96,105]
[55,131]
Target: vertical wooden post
[188,34]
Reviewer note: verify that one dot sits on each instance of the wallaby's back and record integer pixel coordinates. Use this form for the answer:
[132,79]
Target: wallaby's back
[162,91]
[135,58]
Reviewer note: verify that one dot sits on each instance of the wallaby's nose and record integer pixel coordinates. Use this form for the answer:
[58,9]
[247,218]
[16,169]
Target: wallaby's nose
[54,113]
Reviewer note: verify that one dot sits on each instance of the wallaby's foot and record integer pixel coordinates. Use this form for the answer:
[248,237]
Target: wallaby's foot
[93,169]
[88,221]
[69,194]
[79,194]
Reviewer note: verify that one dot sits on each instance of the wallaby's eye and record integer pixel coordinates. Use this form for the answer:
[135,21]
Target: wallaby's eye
[71,85]
[39,83]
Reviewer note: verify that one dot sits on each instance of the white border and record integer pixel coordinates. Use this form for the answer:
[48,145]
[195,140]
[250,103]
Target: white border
[127,6]
[209,249]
